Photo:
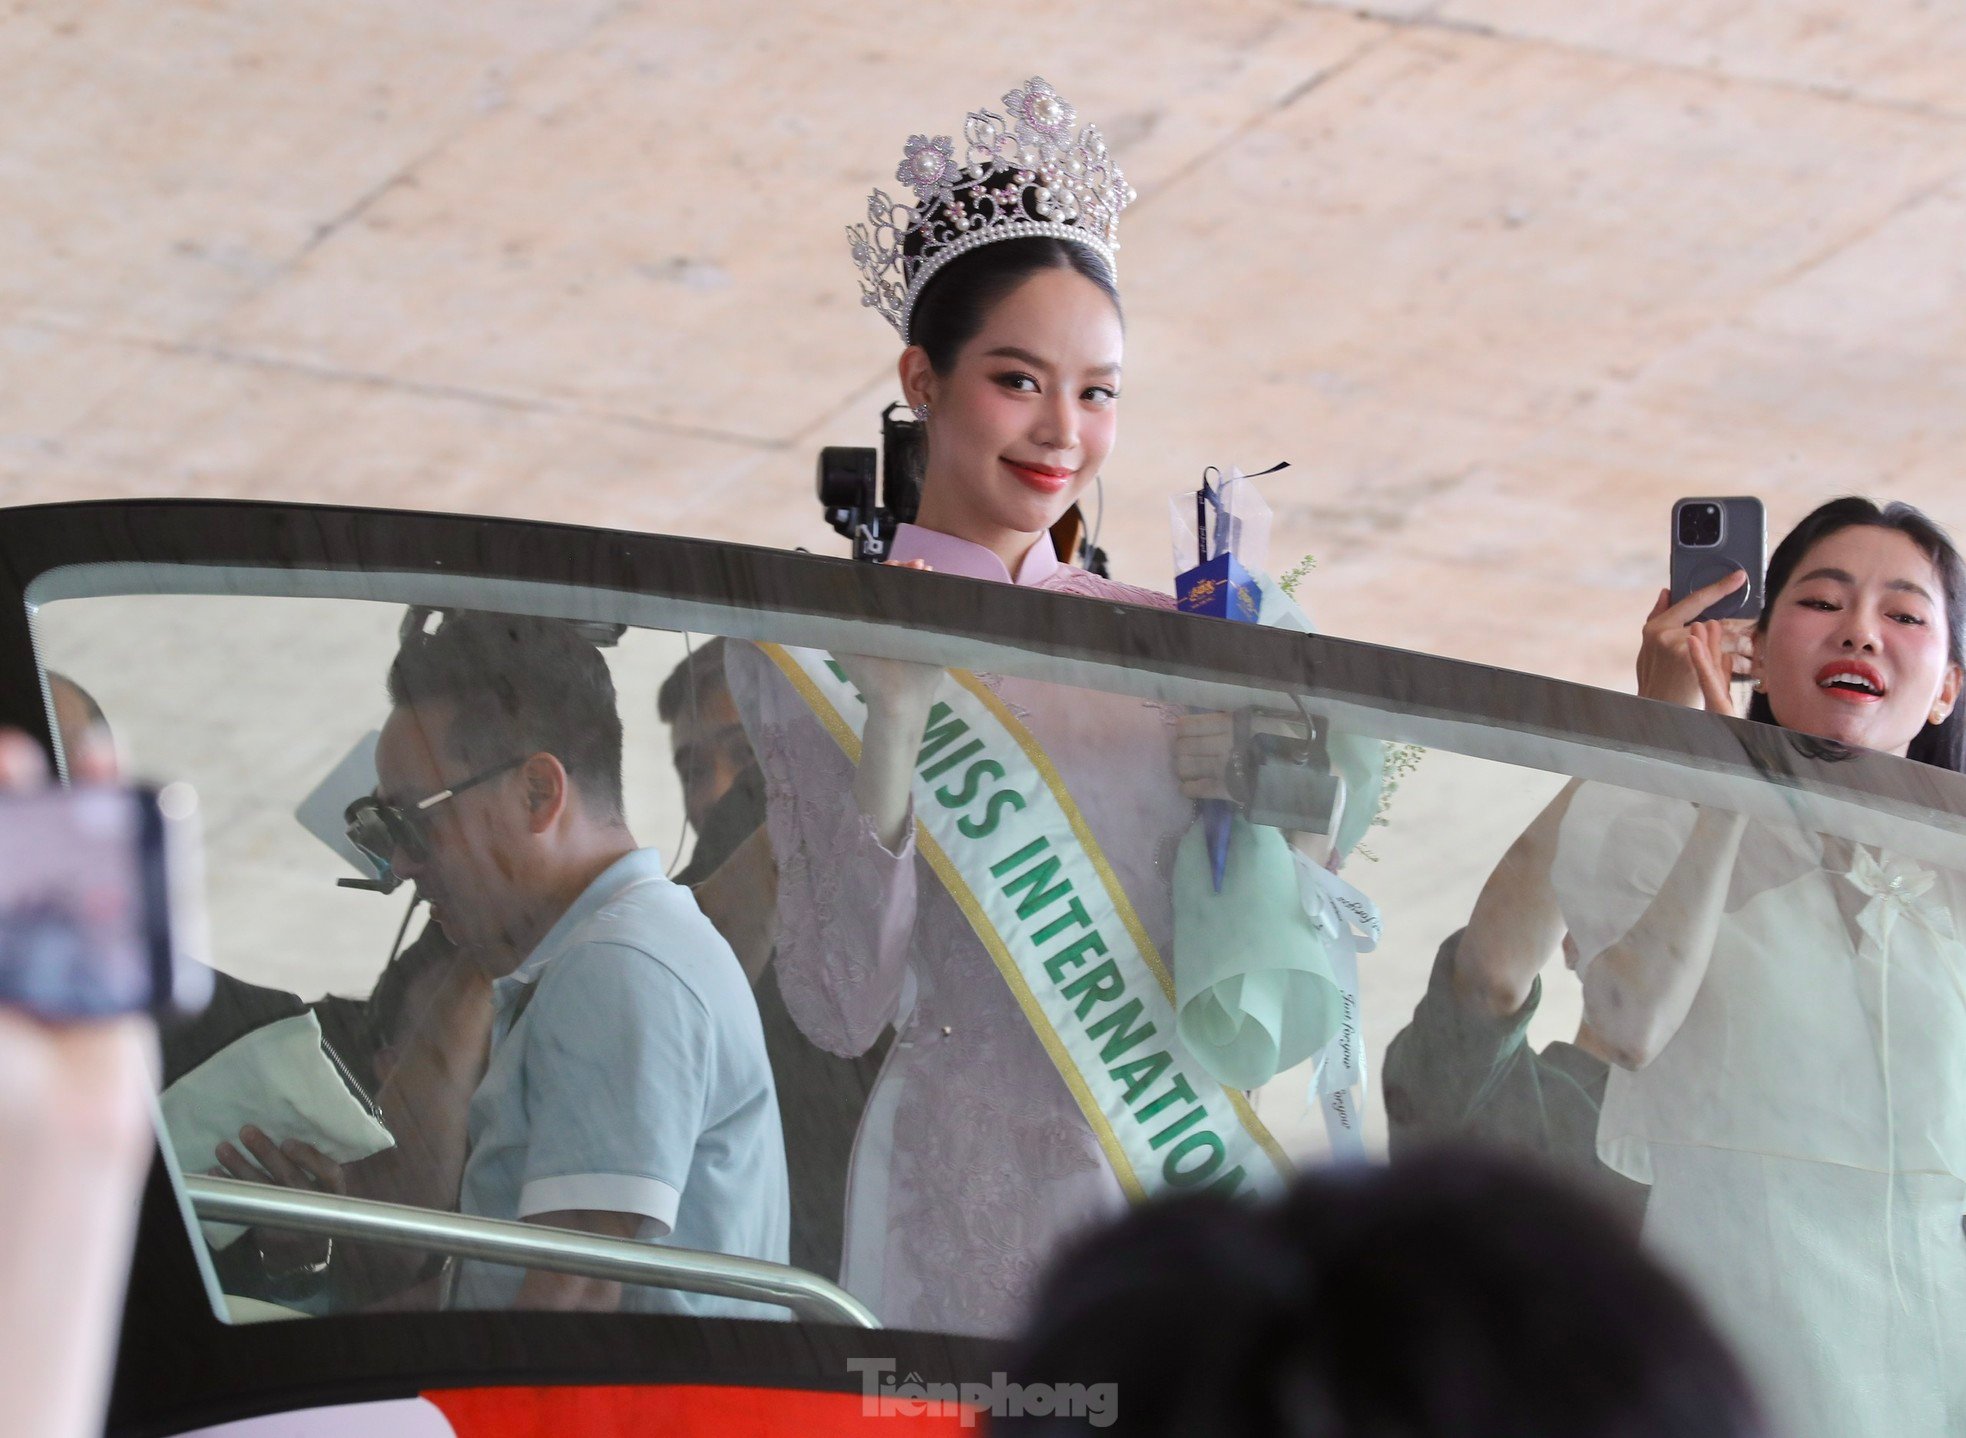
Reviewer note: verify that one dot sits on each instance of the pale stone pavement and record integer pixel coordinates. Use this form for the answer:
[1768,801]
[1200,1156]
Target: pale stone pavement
[1501,278]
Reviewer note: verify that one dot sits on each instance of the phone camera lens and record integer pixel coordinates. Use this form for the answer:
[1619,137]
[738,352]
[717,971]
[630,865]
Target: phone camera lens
[1699,525]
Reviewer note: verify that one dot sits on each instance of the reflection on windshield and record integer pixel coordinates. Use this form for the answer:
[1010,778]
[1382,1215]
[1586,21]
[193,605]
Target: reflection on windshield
[942,976]
[1786,1014]
[998,867]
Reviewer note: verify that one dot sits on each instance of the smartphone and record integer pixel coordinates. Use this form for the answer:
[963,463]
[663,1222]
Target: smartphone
[1711,538]
[100,905]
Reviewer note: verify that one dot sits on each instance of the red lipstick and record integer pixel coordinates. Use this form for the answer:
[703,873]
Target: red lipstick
[1852,681]
[1044,478]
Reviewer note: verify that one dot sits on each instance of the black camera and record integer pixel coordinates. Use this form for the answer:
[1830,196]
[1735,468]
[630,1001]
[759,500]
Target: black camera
[1699,525]
[851,491]
[867,496]
[1282,774]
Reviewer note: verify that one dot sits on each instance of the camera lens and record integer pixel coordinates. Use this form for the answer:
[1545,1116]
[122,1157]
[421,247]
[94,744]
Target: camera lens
[1699,525]
[846,477]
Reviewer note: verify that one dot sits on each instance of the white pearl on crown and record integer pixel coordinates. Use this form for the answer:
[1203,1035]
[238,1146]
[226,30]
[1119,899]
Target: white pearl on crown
[1077,234]
[1049,181]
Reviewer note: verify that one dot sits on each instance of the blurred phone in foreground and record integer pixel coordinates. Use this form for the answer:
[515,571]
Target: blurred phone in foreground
[101,908]
[1711,538]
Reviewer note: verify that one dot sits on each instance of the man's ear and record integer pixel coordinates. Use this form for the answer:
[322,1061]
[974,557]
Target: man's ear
[547,787]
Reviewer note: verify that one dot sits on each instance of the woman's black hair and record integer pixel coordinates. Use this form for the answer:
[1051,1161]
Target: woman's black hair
[1944,744]
[1452,1295]
[953,305]
[962,294]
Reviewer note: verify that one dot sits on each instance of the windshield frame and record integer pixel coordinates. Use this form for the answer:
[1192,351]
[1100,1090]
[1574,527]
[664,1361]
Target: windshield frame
[180,1366]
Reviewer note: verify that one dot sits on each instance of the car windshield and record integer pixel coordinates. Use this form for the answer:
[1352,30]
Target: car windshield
[766,942]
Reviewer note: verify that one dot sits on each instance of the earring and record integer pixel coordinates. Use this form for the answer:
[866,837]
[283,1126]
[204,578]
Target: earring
[920,412]
[1760,687]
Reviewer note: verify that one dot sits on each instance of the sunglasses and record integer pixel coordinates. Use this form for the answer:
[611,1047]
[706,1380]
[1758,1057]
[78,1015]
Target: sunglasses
[383,831]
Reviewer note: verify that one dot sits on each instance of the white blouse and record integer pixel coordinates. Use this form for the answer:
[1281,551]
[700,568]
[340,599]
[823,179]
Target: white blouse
[1831,1023]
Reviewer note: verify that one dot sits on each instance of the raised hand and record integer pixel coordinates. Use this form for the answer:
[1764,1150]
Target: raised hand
[1204,749]
[75,1142]
[894,688]
[1710,648]
[1665,668]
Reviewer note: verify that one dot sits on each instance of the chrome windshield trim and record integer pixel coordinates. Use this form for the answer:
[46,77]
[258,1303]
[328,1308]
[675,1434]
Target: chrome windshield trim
[560,1250]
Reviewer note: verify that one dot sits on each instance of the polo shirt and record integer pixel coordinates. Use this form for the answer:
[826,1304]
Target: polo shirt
[628,1074]
[1458,1074]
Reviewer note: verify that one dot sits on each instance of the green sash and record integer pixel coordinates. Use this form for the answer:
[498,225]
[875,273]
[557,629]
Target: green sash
[997,825]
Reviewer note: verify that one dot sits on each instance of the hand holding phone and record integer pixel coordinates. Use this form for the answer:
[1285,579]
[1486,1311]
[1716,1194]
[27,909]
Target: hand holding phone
[1667,669]
[1712,539]
[99,910]
[75,1143]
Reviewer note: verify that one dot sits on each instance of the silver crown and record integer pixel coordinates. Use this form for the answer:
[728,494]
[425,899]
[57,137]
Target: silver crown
[1023,173]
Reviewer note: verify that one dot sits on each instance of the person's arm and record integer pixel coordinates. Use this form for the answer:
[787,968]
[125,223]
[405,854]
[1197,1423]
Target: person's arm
[75,1143]
[618,1058]
[1516,924]
[1637,992]
[846,900]
[1639,989]
[424,1101]
[570,1292]
[741,899]
[899,696]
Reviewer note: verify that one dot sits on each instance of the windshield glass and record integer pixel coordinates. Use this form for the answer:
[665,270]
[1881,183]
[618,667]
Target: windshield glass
[719,959]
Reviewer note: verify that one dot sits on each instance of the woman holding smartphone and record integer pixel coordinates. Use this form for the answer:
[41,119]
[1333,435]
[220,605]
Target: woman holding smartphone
[984,1142]
[1788,1009]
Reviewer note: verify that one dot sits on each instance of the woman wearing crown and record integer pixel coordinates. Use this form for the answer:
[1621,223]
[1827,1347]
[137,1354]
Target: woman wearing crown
[985,862]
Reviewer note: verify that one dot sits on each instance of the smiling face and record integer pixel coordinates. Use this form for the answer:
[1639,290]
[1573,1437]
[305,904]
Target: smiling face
[1855,646]
[1022,421]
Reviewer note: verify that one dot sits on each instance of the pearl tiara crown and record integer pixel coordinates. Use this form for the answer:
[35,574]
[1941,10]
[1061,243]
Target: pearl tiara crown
[1023,173]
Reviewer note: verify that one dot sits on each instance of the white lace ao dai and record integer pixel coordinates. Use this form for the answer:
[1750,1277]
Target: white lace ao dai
[973,1162]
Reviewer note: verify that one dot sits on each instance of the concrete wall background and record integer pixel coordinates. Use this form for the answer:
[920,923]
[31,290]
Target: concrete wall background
[1501,278]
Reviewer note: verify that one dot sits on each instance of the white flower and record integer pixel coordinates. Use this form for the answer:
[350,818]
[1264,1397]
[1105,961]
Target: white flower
[1896,887]
[929,164]
[1040,112]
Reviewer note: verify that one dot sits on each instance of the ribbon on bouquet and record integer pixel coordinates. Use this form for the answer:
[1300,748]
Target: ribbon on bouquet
[1216,579]
[1349,923]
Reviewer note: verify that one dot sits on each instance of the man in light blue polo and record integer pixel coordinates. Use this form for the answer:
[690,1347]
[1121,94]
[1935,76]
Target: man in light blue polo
[627,1091]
